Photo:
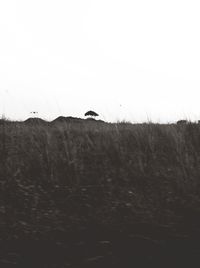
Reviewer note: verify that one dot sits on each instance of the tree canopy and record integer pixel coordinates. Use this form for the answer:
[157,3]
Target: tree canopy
[91,113]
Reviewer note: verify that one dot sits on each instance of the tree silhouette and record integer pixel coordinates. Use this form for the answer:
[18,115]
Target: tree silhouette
[91,113]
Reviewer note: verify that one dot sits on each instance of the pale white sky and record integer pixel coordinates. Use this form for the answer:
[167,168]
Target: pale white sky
[125,59]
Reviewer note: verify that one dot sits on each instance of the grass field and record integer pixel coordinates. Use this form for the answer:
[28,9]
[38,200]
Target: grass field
[86,177]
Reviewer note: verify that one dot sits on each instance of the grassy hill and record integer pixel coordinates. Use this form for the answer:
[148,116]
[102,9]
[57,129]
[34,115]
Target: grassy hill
[64,177]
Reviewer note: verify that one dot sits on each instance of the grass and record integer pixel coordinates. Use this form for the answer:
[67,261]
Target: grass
[85,193]
[68,175]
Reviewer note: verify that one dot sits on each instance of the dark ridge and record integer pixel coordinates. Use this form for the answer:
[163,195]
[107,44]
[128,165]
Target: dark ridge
[60,119]
[35,120]
[68,119]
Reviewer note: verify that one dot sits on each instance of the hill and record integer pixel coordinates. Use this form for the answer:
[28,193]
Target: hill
[35,121]
[70,119]
[67,119]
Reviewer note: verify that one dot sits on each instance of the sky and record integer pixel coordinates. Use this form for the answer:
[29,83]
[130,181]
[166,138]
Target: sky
[127,60]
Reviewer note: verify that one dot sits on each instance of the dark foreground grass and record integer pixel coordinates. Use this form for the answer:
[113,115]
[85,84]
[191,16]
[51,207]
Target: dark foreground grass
[91,191]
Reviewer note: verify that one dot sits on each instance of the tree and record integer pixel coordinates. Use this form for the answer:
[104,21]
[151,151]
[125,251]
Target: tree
[91,113]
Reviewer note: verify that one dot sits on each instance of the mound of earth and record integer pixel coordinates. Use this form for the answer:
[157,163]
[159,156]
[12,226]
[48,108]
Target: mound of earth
[68,119]
[34,120]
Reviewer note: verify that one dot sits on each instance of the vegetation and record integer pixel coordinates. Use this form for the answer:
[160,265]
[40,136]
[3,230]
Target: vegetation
[60,177]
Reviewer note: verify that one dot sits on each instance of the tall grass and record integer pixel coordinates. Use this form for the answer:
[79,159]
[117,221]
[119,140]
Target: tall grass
[59,176]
